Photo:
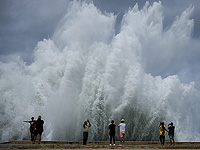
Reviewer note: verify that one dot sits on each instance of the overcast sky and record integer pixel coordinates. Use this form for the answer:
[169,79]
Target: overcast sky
[25,22]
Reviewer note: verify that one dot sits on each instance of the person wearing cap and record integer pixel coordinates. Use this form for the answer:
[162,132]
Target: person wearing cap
[162,133]
[171,133]
[39,129]
[122,126]
[32,127]
[112,132]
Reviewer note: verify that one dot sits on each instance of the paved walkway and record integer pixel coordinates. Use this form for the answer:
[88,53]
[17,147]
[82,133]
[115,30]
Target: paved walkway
[101,145]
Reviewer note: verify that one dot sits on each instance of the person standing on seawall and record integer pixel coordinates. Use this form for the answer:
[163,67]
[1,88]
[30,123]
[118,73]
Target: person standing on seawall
[39,129]
[171,133]
[32,127]
[85,131]
[112,132]
[162,133]
[122,126]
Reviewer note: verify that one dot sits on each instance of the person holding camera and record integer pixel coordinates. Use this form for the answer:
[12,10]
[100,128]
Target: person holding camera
[171,133]
[85,131]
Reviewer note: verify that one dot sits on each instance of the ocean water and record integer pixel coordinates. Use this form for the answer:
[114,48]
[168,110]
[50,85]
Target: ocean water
[87,71]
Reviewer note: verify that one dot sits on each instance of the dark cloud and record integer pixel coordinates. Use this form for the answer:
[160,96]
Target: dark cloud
[24,23]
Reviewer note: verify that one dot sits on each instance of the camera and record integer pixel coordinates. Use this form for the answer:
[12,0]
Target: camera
[170,124]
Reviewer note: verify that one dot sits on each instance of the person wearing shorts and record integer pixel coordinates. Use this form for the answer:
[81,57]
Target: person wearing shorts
[39,129]
[171,133]
[122,126]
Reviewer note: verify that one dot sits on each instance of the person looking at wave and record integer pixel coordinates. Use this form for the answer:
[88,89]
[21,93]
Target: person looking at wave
[85,131]
[171,133]
[112,132]
[39,129]
[32,127]
[162,133]
[122,131]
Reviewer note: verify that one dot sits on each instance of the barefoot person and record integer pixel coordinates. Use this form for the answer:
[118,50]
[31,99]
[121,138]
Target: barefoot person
[39,129]
[122,131]
[32,127]
[112,132]
[86,126]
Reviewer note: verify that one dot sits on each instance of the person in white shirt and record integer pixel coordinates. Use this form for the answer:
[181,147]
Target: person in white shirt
[122,126]
[85,131]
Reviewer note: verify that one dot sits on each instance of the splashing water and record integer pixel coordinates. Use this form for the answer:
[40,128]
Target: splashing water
[85,71]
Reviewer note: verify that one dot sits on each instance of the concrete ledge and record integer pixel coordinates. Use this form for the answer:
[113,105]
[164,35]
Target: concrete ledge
[97,145]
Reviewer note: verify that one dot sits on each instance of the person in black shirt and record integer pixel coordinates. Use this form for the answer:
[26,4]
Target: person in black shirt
[32,127]
[39,129]
[112,132]
[171,133]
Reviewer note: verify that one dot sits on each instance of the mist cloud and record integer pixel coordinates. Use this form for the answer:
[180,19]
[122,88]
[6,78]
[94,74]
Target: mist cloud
[25,23]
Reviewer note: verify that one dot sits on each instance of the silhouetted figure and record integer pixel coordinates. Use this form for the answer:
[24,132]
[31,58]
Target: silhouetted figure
[39,129]
[112,132]
[122,126]
[32,127]
[85,131]
[171,129]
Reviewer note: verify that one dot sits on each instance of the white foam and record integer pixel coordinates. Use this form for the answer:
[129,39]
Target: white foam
[85,71]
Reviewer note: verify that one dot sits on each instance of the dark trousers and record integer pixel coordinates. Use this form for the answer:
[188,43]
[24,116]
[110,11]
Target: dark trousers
[112,137]
[162,139]
[85,137]
[32,130]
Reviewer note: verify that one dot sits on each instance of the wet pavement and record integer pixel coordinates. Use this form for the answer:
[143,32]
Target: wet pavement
[97,145]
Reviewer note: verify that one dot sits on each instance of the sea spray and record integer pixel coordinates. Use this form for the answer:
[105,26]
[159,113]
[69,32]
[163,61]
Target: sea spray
[85,71]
